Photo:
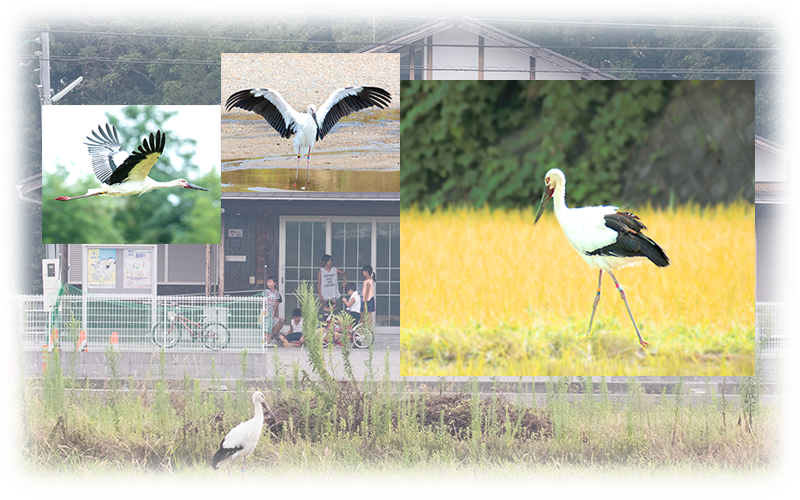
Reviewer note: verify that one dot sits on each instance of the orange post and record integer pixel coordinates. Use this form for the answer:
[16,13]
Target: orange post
[83,345]
[114,340]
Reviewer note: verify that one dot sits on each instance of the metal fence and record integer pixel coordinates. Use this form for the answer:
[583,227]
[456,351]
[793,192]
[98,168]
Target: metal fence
[142,323]
[774,327]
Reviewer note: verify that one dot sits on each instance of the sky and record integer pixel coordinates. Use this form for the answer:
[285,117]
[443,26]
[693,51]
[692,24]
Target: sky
[65,128]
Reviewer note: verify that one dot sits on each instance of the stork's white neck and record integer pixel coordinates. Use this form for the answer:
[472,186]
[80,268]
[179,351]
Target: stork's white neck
[560,200]
[259,410]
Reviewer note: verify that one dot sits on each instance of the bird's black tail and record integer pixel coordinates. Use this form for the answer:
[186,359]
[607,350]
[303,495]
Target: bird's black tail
[223,453]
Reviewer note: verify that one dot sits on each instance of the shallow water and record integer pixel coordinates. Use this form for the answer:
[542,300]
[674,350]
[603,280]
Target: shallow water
[245,179]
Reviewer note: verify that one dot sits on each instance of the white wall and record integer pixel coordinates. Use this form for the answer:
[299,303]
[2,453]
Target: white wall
[770,168]
[547,71]
[455,57]
[503,59]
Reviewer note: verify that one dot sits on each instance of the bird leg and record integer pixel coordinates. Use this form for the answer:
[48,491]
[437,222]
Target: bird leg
[66,198]
[298,166]
[243,464]
[308,167]
[594,307]
[622,294]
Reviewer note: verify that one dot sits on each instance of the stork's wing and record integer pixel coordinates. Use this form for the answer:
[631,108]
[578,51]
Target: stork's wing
[138,164]
[349,100]
[269,104]
[101,149]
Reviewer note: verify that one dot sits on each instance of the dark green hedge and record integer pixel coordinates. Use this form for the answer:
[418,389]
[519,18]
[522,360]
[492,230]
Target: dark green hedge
[491,142]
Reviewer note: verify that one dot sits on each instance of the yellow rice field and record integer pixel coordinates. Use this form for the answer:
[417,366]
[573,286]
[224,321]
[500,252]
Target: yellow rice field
[485,292]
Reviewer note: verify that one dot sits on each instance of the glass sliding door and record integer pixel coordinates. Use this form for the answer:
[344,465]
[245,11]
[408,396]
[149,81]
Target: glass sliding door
[352,242]
[304,244]
[387,286]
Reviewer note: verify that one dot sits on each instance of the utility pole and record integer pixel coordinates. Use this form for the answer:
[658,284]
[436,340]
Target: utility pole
[44,70]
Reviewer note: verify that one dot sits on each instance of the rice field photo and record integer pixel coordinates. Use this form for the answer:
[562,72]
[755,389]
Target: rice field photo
[490,290]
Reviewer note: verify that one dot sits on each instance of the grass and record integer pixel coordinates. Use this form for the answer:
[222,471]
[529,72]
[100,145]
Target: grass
[488,293]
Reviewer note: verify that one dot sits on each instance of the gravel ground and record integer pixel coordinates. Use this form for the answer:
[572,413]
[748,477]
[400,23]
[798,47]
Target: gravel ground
[304,79]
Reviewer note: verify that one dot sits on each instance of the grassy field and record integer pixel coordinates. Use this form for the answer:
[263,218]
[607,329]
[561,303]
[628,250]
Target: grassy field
[488,293]
[335,428]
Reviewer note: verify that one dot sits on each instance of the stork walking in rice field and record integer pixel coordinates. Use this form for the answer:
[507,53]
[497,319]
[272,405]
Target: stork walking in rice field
[241,441]
[311,126]
[130,177]
[605,238]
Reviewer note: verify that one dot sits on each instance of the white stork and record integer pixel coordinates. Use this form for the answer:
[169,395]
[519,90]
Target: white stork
[605,238]
[242,439]
[315,124]
[130,177]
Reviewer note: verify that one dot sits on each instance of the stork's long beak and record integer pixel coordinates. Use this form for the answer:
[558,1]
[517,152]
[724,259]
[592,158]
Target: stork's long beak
[548,193]
[194,186]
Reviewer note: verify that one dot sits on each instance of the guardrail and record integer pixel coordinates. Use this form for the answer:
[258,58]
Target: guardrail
[774,327]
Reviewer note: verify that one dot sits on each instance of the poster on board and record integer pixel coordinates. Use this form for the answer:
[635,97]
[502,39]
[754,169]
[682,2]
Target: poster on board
[102,267]
[137,268]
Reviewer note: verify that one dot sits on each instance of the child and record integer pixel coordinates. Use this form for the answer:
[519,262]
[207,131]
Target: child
[368,293]
[328,280]
[295,335]
[271,300]
[328,323]
[353,303]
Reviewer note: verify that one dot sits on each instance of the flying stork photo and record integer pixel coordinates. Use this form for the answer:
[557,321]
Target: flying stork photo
[130,174]
[333,115]
[496,283]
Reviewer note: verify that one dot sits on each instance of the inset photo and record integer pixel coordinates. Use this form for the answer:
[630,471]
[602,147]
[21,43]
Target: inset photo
[311,122]
[584,228]
[130,174]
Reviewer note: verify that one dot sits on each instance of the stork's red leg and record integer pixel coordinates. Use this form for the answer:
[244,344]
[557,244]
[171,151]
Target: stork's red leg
[67,198]
[244,462]
[622,294]
[596,301]
[308,167]
[298,166]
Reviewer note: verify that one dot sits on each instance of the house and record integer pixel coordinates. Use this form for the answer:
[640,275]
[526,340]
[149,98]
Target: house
[281,234]
[777,197]
[461,48]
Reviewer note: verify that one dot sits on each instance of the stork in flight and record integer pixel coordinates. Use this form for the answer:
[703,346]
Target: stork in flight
[130,177]
[242,439]
[605,238]
[311,126]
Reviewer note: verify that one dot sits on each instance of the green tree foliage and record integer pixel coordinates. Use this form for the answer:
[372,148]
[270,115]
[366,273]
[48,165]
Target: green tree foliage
[491,143]
[159,216]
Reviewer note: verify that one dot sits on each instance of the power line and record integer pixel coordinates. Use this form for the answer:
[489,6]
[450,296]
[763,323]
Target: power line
[741,71]
[430,18]
[406,67]
[400,45]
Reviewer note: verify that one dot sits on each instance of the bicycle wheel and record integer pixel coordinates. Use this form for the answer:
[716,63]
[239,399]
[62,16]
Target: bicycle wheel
[166,334]
[215,336]
[362,337]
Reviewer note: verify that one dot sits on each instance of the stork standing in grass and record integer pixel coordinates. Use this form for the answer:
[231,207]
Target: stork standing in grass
[311,126]
[605,238]
[131,176]
[242,439]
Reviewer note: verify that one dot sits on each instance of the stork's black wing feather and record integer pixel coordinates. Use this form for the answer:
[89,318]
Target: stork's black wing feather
[349,100]
[223,453]
[630,241]
[269,104]
[138,164]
